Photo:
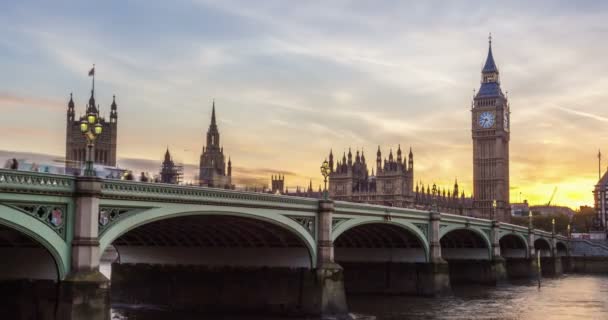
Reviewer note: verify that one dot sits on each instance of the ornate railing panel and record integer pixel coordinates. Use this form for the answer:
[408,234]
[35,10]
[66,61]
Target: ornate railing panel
[35,182]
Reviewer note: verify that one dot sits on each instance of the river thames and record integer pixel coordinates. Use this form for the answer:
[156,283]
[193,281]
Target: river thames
[564,298]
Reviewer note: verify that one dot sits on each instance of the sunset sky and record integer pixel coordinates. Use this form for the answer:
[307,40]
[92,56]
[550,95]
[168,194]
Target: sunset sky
[292,79]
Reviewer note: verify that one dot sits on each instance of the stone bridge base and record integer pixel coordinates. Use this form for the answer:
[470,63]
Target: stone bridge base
[484,272]
[522,268]
[551,266]
[75,298]
[260,290]
[582,264]
[423,279]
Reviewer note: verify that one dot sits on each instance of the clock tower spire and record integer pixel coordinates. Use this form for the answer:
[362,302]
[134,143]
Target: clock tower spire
[490,131]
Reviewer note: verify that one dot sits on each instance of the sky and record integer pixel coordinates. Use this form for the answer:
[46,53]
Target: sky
[294,79]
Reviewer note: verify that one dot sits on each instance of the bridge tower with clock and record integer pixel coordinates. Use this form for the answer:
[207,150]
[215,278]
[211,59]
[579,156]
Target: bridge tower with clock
[490,131]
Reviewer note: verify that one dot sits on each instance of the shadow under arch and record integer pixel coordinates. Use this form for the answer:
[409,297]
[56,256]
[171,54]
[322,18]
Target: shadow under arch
[513,245]
[148,217]
[407,227]
[19,222]
[561,249]
[455,241]
[544,246]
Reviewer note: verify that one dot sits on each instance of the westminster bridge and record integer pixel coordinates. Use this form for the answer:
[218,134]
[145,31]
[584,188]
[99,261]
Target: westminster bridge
[211,249]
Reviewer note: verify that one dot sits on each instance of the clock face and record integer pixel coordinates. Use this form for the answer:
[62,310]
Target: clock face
[486,119]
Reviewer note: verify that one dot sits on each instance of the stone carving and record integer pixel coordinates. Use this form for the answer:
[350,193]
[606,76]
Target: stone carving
[424,228]
[54,216]
[109,215]
[305,221]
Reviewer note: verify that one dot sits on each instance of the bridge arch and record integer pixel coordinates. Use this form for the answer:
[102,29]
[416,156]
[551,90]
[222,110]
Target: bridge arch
[456,239]
[399,224]
[513,245]
[14,220]
[153,215]
[544,245]
[561,249]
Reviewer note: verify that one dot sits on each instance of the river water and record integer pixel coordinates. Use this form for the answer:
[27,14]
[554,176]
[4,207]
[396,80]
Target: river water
[569,297]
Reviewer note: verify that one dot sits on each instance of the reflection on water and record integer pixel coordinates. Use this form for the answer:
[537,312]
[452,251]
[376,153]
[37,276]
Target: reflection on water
[569,297]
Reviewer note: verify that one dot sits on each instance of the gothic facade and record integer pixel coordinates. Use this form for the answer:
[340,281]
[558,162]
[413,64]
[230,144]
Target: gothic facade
[391,185]
[75,143]
[490,132]
[213,170]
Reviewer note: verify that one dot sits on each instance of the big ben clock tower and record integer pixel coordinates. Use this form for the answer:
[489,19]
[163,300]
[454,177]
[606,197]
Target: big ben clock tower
[490,129]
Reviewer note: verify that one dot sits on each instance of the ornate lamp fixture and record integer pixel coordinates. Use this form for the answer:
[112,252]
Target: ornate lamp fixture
[91,129]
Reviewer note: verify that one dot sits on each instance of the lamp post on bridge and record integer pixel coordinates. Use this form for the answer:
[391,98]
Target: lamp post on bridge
[325,170]
[434,204]
[91,129]
[530,226]
[493,210]
[553,226]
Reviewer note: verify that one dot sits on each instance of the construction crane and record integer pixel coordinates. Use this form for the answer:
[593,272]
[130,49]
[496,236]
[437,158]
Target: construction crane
[552,195]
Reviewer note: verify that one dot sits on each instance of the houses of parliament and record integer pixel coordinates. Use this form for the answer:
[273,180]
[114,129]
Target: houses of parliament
[391,180]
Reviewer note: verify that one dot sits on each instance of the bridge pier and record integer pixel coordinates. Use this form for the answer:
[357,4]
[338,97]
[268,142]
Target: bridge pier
[522,268]
[330,275]
[84,294]
[437,272]
[498,263]
[551,266]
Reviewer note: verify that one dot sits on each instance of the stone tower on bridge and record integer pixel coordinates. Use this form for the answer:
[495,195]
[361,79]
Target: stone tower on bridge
[76,144]
[213,171]
[490,131]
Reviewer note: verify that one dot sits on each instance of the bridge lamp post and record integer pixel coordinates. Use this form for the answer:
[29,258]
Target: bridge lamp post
[569,231]
[91,129]
[434,204]
[530,219]
[493,210]
[325,170]
[553,226]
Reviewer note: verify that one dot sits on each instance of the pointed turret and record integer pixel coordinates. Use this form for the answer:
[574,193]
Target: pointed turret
[399,159]
[410,161]
[229,167]
[71,112]
[490,81]
[113,110]
[362,156]
[331,160]
[167,155]
[378,161]
[350,157]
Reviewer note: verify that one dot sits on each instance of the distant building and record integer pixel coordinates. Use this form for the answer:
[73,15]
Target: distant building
[391,184]
[76,144]
[213,171]
[520,209]
[170,172]
[548,210]
[600,196]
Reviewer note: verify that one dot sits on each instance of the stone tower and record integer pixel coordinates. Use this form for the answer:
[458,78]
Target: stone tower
[170,172]
[490,130]
[75,142]
[213,169]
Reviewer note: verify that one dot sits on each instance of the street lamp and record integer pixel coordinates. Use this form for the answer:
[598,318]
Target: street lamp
[530,219]
[90,128]
[553,225]
[325,170]
[493,209]
[568,231]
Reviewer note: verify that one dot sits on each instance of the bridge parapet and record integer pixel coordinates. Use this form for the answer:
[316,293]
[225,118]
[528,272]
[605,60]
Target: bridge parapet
[15,181]
[139,191]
